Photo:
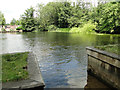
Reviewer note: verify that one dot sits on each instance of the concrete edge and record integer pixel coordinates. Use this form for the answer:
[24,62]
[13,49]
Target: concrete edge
[93,71]
[112,55]
[37,74]
[35,79]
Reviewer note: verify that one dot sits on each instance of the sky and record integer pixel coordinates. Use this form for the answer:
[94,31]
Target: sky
[14,8]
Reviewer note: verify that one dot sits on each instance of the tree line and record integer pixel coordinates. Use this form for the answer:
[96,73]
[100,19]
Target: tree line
[56,15]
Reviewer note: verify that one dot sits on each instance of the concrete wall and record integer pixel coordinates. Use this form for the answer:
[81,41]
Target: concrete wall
[105,66]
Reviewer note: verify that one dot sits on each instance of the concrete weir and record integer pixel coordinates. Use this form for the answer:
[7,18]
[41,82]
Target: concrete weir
[105,66]
[35,80]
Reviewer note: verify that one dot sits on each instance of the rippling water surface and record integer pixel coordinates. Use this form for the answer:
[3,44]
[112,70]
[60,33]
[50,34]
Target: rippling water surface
[62,56]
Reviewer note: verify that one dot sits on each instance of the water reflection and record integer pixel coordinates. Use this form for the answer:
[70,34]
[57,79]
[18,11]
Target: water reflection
[12,43]
[62,56]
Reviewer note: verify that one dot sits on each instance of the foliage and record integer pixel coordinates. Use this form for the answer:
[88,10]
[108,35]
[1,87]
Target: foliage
[52,28]
[107,17]
[79,14]
[49,14]
[20,28]
[75,29]
[64,29]
[28,20]
[104,18]
[14,22]
[64,14]
[2,19]
[61,14]
[12,67]
[86,28]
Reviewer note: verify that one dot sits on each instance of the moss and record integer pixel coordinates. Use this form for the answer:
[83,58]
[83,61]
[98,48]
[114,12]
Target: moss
[110,48]
[13,67]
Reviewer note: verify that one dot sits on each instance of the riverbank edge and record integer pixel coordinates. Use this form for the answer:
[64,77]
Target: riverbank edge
[35,80]
[10,31]
[105,66]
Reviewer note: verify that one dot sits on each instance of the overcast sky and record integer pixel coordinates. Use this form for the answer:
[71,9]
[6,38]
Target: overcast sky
[14,8]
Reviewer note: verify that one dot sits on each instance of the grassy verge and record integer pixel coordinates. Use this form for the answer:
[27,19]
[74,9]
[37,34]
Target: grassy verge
[14,67]
[63,29]
[110,48]
[87,27]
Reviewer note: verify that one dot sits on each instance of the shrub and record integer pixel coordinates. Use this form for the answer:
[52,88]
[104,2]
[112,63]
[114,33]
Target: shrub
[75,29]
[52,28]
[86,28]
[20,28]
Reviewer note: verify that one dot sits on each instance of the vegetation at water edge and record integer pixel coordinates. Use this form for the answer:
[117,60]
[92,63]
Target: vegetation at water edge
[13,67]
[81,16]
[110,48]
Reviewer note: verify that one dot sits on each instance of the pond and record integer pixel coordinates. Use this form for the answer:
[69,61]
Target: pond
[62,56]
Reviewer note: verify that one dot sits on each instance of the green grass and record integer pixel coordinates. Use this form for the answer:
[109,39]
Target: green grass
[61,30]
[64,29]
[110,48]
[12,67]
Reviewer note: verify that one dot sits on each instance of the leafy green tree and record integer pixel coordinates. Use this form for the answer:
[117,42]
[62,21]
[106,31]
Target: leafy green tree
[64,14]
[48,14]
[108,18]
[79,14]
[28,20]
[13,21]
[17,22]
[54,13]
[2,19]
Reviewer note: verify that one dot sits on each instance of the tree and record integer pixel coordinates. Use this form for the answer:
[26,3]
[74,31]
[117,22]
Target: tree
[13,21]
[108,18]
[17,22]
[64,14]
[28,20]
[2,19]
[54,13]
[79,14]
[48,14]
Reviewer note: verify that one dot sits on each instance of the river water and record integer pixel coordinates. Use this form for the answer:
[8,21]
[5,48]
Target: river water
[62,56]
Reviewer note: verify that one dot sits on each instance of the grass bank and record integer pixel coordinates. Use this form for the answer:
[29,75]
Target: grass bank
[88,28]
[110,48]
[14,67]
[60,30]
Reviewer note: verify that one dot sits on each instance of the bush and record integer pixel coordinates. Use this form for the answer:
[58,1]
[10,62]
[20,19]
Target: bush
[52,28]
[20,28]
[75,29]
[86,28]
